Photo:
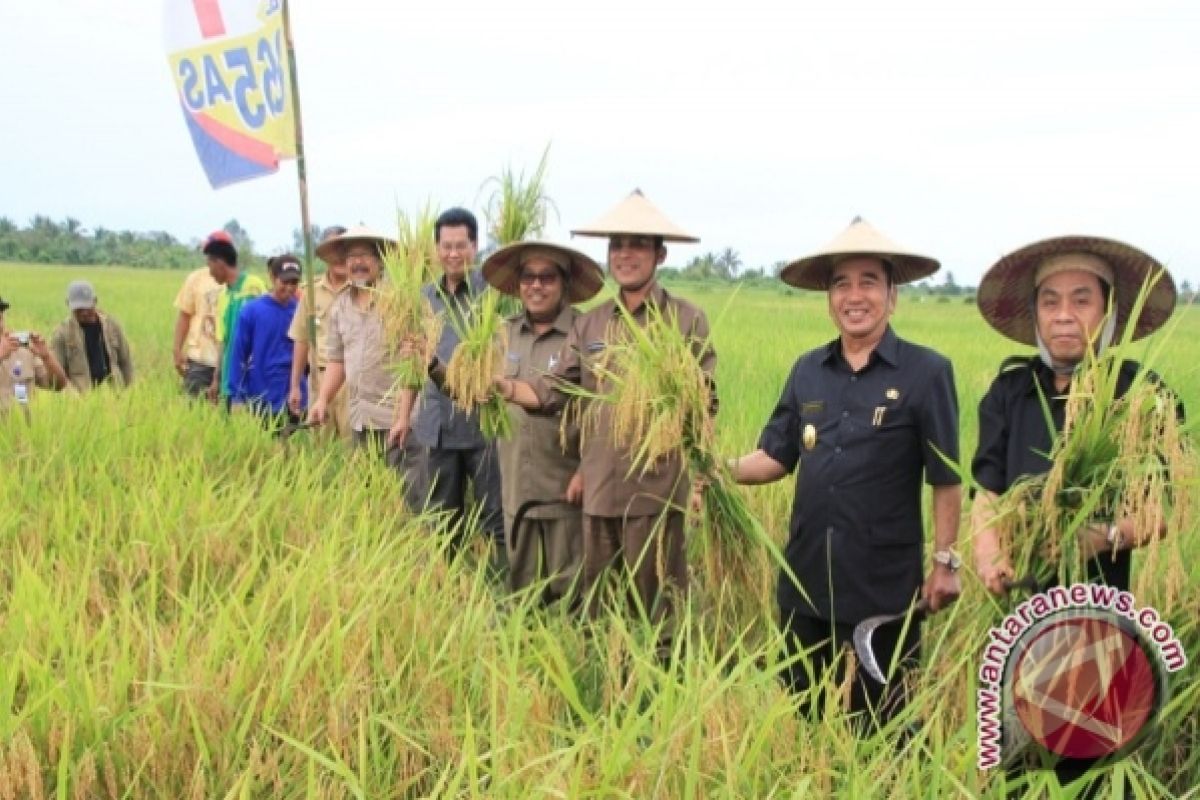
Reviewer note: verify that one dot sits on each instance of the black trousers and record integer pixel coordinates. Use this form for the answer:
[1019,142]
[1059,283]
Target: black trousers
[408,461]
[449,473]
[870,701]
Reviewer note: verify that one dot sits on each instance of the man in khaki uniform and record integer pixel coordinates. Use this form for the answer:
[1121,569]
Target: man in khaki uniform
[89,344]
[327,288]
[359,356]
[539,470]
[635,521]
[25,361]
[195,349]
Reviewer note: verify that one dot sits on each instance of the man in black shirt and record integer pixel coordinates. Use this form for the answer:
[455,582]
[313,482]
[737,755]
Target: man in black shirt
[1054,295]
[865,417]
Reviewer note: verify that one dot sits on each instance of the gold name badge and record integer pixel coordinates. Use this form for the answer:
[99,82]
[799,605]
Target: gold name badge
[892,394]
[810,437]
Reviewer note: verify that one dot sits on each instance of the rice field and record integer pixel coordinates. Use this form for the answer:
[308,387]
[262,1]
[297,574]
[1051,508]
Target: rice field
[191,609]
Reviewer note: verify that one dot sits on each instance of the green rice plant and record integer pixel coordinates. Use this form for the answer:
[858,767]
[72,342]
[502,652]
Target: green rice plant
[518,206]
[406,313]
[517,210]
[477,359]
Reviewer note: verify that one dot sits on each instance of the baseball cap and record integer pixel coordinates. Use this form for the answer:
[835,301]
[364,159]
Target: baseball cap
[217,236]
[80,295]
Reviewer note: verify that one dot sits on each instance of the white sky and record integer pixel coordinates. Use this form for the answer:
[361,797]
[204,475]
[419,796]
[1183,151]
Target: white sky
[960,130]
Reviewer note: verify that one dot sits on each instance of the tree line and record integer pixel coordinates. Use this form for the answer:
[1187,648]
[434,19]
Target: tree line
[45,241]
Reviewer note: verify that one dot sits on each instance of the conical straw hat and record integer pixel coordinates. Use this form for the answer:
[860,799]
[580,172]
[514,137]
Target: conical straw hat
[1006,293]
[358,233]
[502,269]
[860,239]
[635,215]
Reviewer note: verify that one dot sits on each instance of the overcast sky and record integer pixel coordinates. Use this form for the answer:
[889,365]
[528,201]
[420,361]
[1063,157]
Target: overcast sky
[959,129]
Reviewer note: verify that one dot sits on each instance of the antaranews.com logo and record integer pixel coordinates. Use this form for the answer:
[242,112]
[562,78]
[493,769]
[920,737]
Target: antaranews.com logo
[1076,672]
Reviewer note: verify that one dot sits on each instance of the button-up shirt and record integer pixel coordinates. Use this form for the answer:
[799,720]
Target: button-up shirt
[862,440]
[609,489]
[440,424]
[537,463]
[1014,438]
[325,295]
[356,340]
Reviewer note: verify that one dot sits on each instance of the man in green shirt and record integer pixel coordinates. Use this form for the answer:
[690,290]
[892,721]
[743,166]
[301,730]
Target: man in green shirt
[237,288]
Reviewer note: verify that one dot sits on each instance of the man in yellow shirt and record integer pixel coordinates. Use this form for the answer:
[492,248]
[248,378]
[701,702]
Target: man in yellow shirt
[195,346]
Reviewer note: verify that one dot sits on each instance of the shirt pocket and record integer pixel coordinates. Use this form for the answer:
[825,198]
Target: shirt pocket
[512,365]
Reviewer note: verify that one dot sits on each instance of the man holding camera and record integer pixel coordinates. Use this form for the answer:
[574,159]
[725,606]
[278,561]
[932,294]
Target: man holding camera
[25,358]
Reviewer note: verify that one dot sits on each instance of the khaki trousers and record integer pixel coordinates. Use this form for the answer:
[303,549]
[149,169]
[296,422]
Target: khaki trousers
[545,549]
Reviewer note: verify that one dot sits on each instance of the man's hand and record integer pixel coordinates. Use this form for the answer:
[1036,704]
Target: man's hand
[574,494]
[993,568]
[214,392]
[38,346]
[398,435]
[180,363]
[295,400]
[316,413]
[941,588]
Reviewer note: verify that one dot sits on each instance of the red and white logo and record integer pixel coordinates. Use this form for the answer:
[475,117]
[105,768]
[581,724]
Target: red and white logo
[1084,685]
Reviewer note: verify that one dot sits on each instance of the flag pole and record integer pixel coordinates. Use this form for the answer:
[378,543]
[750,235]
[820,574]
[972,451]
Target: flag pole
[302,178]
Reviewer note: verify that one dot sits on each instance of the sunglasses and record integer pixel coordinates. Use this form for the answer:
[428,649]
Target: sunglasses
[544,278]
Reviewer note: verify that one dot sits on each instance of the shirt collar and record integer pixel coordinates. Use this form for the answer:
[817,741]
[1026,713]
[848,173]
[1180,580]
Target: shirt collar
[887,349]
[464,286]
[657,297]
[561,323]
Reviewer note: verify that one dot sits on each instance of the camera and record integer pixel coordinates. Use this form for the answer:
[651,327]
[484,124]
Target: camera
[22,338]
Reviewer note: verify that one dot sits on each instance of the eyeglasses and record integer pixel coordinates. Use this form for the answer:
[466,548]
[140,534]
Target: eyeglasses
[544,278]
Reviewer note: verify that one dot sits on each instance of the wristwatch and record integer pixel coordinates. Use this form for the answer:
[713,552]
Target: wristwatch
[948,559]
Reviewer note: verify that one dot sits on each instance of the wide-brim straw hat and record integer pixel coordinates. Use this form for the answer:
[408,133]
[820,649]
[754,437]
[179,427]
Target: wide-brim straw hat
[860,239]
[502,269]
[1006,293]
[635,216]
[357,233]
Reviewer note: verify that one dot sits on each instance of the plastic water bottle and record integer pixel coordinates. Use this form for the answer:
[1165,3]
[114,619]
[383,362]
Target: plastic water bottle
[20,390]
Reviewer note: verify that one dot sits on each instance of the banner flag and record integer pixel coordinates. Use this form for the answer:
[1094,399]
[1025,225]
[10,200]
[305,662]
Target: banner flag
[229,62]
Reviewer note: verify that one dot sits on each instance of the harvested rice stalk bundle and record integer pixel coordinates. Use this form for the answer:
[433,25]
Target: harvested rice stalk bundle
[653,385]
[477,359]
[406,314]
[1121,457]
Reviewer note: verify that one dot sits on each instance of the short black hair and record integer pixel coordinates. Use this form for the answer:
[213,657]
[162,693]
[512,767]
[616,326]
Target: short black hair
[456,217]
[222,250]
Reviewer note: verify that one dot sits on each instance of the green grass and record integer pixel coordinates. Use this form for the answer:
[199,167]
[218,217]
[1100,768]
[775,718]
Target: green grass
[189,610]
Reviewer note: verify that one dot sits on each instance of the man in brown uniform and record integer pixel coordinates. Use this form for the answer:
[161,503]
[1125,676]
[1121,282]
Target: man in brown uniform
[636,520]
[25,359]
[539,469]
[327,288]
[89,344]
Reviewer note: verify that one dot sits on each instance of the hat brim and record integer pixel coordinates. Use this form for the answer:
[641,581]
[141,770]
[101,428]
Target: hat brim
[813,272]
[327,248]
[632,230]
[1006,293]
[502,269]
